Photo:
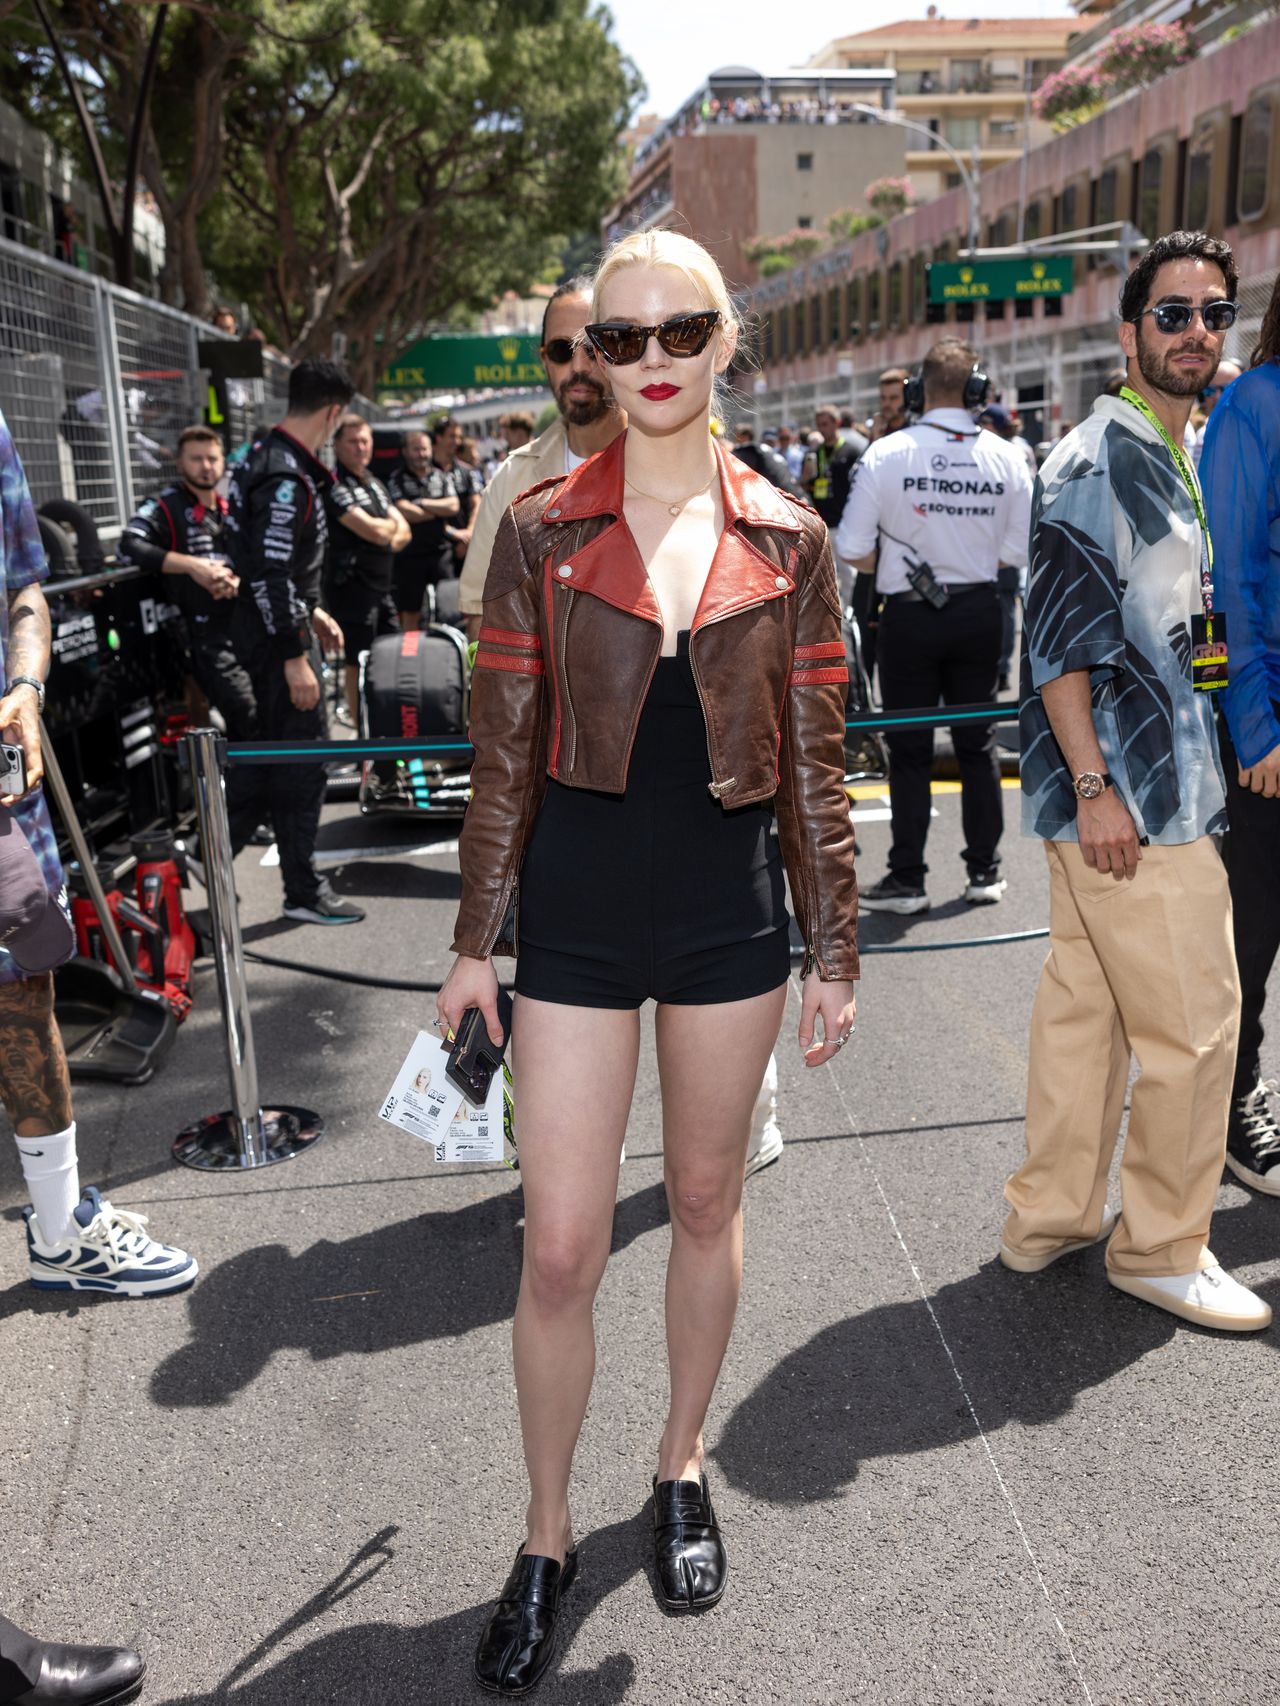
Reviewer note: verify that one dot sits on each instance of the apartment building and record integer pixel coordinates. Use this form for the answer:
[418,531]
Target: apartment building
[964,80]
[757,154]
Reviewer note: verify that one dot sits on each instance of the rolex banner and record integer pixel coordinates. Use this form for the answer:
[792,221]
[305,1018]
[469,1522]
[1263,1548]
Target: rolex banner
[464,364]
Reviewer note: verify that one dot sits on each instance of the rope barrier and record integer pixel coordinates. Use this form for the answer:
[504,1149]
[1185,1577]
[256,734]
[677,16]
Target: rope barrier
[344,751]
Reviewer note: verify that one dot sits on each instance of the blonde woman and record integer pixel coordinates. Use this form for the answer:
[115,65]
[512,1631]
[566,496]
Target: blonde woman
[660,681]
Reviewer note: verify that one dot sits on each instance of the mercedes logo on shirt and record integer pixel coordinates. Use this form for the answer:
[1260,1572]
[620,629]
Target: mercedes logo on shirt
[939,463]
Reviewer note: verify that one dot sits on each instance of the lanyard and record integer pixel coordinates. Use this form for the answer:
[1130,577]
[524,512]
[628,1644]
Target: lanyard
[1189,480]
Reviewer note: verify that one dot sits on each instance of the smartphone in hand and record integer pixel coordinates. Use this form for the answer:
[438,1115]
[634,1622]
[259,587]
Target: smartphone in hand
[473,1059]
[13,769]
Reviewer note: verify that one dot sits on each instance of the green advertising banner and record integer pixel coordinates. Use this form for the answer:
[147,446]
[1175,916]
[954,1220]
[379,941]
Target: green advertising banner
[464,364]
[996,281]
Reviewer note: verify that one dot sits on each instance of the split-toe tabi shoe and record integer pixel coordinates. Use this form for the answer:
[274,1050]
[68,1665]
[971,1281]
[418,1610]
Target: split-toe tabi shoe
[688,1551]
[519,1640]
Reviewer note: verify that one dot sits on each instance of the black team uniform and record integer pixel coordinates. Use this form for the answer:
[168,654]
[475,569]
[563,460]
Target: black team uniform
[358,576]
[428,557]
[276,536]
[176,519]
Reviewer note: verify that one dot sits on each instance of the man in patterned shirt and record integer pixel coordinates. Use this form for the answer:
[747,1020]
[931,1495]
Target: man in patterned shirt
[1121,779]
[76,1241]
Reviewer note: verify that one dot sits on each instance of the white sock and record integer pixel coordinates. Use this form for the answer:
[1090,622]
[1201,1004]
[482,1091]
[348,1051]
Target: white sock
[52,1172]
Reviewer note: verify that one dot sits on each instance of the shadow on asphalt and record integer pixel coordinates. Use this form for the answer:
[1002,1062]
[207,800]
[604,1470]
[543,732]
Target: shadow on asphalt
[881,1384]
[438,1275]
[391,1666]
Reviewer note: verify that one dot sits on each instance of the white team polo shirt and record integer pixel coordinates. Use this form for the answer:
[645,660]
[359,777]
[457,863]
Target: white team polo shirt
[941,492]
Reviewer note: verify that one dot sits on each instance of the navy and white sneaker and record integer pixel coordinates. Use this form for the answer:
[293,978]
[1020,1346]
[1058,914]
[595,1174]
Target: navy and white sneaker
[107,1250]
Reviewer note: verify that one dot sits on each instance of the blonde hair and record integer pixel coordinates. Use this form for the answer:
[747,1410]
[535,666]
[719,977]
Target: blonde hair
[691,260]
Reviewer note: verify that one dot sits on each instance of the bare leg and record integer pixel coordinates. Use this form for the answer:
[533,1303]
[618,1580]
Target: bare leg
[711,1061]
[577,1071]
[410,620]
[353,693]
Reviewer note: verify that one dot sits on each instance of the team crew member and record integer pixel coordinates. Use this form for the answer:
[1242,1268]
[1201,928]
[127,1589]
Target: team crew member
[467,482]
[1240,471]
[428,502]
[366,532]
[178,532]
[1121,780]
[948,504]
[276,537]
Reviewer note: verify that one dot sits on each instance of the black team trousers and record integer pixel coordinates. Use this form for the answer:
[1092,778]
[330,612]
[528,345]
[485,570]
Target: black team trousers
[289,796]
[949,656]
[1251,852]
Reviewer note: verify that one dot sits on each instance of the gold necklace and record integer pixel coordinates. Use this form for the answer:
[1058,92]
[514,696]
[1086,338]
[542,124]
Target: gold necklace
[675,508]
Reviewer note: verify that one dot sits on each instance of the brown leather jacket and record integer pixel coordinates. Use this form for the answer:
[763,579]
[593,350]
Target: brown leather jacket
[571,639]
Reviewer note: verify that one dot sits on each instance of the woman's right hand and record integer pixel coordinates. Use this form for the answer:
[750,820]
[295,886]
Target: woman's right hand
[471,983]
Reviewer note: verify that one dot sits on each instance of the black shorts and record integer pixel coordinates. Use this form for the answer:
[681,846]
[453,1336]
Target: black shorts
[658,893]
[364,614]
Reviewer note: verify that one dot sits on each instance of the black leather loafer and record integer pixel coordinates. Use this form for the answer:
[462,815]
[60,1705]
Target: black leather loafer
[84,1676]
[688,1551]
[519,1640]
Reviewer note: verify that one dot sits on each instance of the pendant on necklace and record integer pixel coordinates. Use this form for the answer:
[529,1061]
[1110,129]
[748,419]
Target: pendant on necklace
[675,508]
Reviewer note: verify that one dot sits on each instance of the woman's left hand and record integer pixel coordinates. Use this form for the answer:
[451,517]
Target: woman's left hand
[835,1003]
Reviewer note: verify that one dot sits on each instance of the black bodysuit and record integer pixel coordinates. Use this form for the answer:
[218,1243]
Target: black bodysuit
[658,892]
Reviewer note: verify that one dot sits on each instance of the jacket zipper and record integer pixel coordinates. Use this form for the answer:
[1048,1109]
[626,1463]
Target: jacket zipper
[568,697]
[718,790]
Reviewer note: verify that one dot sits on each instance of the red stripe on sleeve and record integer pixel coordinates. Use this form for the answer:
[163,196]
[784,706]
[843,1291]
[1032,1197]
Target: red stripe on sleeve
[828,649]
[819,677]
[508,637]
[516,666]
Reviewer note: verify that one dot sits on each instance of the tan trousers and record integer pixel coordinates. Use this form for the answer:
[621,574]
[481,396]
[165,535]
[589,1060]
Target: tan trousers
[1147,966]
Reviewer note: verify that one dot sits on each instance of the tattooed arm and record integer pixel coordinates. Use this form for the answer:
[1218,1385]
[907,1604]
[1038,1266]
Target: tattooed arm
[28,654]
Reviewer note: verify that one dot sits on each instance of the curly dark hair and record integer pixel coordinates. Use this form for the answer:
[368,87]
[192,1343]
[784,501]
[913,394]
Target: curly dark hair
[1176,246]
[1267,347]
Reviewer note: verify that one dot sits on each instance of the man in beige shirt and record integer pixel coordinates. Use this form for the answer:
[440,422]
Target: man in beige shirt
[588,421]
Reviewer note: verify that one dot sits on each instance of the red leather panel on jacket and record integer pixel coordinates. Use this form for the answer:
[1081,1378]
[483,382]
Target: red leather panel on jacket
[571,639]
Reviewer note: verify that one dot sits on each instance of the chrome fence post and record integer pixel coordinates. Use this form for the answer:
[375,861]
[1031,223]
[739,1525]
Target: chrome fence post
[247,1134]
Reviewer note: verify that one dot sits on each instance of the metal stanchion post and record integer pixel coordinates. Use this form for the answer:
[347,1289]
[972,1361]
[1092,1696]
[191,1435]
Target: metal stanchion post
[247,1134]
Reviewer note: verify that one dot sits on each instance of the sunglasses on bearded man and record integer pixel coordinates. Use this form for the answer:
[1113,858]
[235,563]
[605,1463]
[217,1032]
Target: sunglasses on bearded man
[1174,317]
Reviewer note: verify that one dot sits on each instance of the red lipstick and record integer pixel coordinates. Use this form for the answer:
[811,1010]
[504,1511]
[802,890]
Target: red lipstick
[659,393]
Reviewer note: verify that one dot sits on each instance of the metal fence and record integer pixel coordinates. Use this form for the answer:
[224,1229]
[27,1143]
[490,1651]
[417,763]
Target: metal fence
[96,382]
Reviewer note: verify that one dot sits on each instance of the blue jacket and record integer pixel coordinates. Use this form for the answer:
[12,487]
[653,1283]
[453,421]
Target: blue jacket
[1240,474]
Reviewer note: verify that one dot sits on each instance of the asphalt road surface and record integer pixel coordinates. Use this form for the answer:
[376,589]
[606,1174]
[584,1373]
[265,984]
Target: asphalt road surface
[940,1482]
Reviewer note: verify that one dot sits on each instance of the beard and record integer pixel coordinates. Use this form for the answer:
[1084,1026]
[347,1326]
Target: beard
[583,411]
[1160,373]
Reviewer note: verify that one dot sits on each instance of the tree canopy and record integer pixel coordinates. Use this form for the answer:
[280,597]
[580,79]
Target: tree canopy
[359,170]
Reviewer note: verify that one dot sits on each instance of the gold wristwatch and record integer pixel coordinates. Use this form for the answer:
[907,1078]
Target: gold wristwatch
[1090,783]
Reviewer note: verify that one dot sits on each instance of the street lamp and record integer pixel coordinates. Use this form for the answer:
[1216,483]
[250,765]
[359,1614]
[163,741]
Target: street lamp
[968,177]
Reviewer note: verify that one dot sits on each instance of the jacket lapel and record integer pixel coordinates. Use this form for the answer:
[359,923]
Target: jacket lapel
[610,568]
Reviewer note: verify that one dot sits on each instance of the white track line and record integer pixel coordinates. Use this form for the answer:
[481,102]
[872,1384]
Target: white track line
[959,1380]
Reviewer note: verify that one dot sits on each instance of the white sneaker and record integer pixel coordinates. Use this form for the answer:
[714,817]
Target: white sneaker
[985,888]
[1036,1264]
[767,1151]
[107,1250]
[1210,1298]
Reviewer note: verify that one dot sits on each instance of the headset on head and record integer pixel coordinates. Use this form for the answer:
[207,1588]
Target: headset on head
[976,387]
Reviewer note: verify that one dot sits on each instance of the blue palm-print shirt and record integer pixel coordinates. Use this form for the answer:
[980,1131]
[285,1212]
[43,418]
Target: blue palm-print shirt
[22,561]
[1114,582]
